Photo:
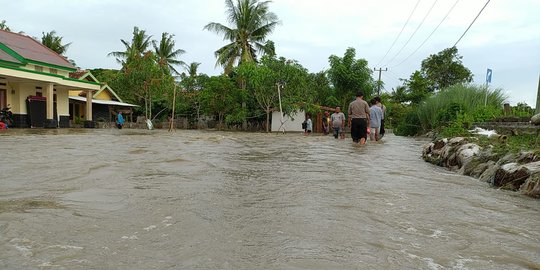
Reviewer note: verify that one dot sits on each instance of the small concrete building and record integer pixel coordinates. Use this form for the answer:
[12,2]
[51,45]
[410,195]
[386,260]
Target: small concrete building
[290,123]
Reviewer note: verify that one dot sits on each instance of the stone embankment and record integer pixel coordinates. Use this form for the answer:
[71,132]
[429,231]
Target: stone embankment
[518,172]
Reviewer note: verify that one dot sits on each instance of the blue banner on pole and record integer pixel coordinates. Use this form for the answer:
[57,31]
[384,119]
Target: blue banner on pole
[488,75]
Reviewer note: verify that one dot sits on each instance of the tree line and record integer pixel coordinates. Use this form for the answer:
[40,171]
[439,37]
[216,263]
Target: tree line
[246,91]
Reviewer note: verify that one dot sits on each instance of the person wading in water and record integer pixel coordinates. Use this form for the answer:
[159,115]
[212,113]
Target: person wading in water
[359,119]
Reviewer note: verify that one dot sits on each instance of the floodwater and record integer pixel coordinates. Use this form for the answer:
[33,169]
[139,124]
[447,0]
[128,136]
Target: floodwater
[138,199]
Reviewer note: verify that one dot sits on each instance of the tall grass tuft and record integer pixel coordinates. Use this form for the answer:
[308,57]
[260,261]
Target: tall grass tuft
[465,101]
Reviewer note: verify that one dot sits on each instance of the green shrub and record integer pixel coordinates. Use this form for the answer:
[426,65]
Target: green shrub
[395,113]
[77,120]
[522,110]
[466,101]
[409,126]
[458,127]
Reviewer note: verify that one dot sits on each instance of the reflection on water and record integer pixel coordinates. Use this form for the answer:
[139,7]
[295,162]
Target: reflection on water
[138,199]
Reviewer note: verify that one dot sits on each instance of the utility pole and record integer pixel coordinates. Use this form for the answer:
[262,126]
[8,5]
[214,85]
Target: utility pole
[538,97]
[171,127]
[279,86]
[380,70]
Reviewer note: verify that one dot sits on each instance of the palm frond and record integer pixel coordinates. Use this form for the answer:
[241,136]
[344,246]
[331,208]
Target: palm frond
[251,22]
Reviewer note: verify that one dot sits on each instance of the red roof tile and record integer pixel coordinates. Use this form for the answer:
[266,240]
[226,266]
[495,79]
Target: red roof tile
[6,57]
[77,74]
[31,49]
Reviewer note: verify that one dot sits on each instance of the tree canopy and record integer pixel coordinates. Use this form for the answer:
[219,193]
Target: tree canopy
[349,76]
[140,43]
[167,55]
[261,81]
[445,69]
[251,22]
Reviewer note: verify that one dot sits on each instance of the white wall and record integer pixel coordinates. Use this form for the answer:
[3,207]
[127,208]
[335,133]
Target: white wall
[290,124]
[62,102]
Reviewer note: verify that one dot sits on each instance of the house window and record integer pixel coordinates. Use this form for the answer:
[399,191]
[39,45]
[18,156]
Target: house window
[38,91]
[53,70]
[38,68]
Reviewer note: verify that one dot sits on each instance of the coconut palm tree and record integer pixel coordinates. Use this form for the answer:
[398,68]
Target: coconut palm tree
[193,69]
[190,77]
[140,42]
[167,56]
[251,22]
[54,42]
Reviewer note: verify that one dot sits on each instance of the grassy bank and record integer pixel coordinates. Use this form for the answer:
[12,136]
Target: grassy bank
[512,144]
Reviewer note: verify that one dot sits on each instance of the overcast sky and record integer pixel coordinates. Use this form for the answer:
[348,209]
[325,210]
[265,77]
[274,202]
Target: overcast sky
[505,38]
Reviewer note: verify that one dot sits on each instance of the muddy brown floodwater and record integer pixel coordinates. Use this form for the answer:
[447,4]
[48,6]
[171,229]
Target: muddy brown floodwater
[136,199]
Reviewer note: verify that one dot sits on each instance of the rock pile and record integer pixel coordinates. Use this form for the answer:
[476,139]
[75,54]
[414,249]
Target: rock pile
[535,120]
[519,172]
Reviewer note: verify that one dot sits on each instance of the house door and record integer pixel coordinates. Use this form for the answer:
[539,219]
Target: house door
[3,98]
[3,93]
[55,110]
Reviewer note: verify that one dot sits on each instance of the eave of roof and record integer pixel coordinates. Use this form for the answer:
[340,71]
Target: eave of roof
[3,65]
[105,102]
[107,87]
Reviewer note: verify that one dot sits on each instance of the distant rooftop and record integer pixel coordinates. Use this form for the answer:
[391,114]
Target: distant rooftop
[77,74]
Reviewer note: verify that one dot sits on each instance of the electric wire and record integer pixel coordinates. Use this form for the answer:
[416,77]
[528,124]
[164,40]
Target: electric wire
[472,23]
[412,35]
[400,32]
[394,74]
[432,32]
[390,78]
[393,77]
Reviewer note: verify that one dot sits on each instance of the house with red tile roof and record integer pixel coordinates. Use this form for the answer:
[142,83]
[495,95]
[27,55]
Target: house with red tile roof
[35,83]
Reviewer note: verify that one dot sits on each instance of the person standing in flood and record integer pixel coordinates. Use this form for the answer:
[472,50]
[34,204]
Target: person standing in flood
[309,125]
[383,108]
[359,119]
[375,116]
[120,120]
[325,121]
[338,122]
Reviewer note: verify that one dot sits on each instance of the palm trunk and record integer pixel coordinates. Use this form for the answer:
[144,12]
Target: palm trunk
[173,105]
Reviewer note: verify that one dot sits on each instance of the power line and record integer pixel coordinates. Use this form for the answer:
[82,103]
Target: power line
[412,35]
[425,40]
[394,74]
[472,23]
[394,43]
[391,80]
[391,77]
